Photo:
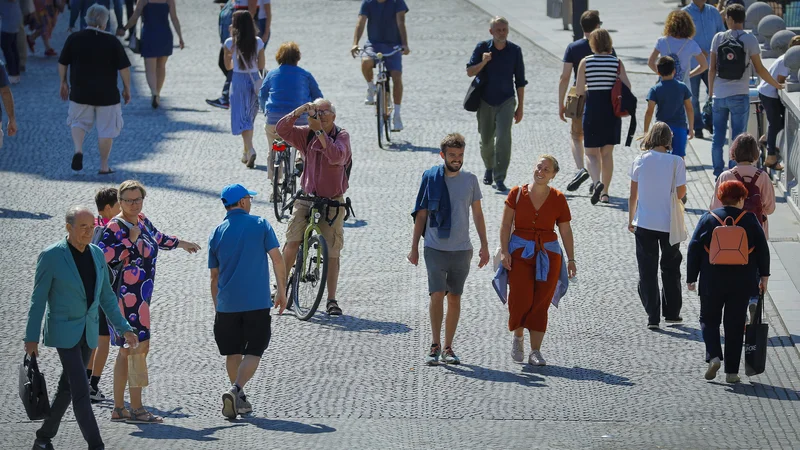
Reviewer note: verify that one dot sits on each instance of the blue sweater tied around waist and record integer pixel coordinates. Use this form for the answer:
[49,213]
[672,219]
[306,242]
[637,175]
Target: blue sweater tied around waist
[500,281]
[434,196]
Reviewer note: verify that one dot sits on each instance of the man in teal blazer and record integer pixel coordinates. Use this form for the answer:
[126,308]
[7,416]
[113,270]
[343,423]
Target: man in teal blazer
[71,282]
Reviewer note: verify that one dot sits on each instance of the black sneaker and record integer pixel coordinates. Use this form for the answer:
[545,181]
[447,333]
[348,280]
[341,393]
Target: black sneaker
[598,190]
[501,187]
[40,444]
[487,177]
[77,162]
[699,134]
[221,102]
[579,178]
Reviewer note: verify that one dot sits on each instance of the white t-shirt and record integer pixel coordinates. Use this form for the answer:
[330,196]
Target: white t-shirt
[252,64]
[262,13]
[653,171]
[778,68]
[684,49]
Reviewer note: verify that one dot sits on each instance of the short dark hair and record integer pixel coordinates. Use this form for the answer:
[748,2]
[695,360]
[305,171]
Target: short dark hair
[590,20]
[736,12]
[745,148]
[452,140]
[105,197]
[665,66]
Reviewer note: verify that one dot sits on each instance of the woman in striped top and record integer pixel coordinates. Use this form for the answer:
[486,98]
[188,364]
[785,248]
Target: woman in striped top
[596,76]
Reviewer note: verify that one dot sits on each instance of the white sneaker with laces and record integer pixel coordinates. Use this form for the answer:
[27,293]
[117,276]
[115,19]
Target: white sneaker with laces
[229,403]
[517,350]
[713,367]
[732,378]
[536,358]
[370,100]
[397,123]
[243,406]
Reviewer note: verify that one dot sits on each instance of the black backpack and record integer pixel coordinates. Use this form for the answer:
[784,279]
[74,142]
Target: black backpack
[347,167]
[731,57]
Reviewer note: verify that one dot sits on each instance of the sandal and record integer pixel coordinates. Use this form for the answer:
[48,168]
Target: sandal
[120,412]
[142,415]
[333,308]
[604,198]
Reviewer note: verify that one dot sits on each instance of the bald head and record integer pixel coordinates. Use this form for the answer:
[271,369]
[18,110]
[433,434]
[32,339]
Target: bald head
[80,226]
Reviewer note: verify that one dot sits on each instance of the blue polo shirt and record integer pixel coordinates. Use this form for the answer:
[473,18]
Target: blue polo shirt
[503,75]
[382,20]
[707,24]
[238,247]
[669,96]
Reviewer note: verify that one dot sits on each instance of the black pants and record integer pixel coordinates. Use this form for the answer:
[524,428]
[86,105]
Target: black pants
[735,313]
[129,7]
[776,116]
[226,89]
[647,246]
[8,42]
[73,385]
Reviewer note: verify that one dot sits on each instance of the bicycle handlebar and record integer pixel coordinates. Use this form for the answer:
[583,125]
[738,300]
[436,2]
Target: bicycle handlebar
[329,203]
[379,55]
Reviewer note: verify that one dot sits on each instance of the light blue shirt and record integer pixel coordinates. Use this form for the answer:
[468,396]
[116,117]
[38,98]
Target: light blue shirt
[284,89]
[707,23]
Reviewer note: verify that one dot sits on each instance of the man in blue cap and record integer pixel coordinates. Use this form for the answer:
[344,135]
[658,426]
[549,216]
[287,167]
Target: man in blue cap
[240,289]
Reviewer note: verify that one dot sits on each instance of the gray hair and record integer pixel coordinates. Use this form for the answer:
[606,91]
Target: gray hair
[322,101]
[74,211]
[97,16]
[498,19]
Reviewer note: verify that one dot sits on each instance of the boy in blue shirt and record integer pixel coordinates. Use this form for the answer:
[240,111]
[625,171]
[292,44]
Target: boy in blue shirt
[674,101]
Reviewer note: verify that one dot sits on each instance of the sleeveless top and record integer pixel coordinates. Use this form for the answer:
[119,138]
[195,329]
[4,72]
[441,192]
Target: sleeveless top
[601,72]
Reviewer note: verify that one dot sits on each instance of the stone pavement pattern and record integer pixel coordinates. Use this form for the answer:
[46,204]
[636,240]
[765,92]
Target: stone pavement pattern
[357,381]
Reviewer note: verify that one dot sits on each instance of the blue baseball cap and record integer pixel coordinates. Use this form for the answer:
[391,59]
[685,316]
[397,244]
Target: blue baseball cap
[232,193]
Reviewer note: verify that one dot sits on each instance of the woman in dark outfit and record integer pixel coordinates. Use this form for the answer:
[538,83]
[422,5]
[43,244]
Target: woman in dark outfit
[726,286]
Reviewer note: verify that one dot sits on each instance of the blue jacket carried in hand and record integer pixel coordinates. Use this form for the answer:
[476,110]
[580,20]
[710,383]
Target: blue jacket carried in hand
[434,196]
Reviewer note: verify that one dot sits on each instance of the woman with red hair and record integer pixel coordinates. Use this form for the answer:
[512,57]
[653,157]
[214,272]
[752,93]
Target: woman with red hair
[727,287]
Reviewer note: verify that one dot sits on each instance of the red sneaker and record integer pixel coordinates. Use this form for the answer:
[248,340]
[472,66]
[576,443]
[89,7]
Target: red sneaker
[50,52]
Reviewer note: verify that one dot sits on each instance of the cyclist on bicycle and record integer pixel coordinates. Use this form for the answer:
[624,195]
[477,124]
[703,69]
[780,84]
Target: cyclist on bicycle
[326,150]
[385,21]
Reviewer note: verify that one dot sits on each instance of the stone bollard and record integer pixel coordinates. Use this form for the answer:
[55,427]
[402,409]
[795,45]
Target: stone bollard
[792,60]
[780,41]
[753,16]
[767,28]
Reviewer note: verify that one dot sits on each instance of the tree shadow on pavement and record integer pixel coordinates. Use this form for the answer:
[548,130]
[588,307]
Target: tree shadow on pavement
[405,146]
[15,214]
[499,376]
[688,333]
[287,426]
[760,390]
[174,432]
[359,325]
[578,374]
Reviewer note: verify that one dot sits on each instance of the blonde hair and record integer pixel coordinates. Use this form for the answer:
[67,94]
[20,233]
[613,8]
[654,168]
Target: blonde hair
[552,160]
[600,41]
[129,185]
[795,41]
[659,136]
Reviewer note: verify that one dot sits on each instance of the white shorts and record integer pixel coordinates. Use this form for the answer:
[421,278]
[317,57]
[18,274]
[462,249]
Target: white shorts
[108,119]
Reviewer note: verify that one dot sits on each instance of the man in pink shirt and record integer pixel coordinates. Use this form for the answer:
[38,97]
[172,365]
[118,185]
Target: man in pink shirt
[326,151]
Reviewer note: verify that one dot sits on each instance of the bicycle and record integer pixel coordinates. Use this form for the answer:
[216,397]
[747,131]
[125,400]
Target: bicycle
[309,274]
[383,98]
[283,189]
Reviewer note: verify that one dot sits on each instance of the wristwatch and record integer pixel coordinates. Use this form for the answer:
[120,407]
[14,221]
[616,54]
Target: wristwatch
[318,133]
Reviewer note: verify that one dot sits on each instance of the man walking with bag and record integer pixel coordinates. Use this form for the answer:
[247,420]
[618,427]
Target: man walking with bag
[71,282]
[498,62]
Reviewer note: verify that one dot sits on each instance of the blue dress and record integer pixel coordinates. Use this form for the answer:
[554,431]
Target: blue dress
[156,38]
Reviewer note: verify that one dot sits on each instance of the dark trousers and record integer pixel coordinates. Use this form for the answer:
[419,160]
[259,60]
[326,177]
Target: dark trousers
[711,314]
[129,8]
[647,246]
[226,88]
[73,385]
[698,110]
[776,116]
[8,42]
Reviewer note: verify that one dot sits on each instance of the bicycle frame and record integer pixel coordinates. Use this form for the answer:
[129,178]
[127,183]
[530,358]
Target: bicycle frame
[314,216]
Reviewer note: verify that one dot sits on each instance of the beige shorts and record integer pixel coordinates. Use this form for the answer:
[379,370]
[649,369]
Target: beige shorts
[577,128]
[108,119]
[334,235]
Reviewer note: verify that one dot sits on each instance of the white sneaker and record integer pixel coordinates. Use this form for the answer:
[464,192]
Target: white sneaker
[713,367]
[732,378]
[229,400]
[536,359]
[397,123]
[517,350]
[370,100]
[243,406]
[13,80]
[251,158]
[96,396]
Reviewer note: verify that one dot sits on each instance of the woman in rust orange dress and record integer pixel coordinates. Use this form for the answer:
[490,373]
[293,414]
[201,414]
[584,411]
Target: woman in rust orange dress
[537,273]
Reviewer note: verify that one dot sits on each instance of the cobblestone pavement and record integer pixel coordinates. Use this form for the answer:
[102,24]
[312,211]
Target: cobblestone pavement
[357,381]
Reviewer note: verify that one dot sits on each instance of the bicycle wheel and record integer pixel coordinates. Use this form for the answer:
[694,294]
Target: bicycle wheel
[379,111]
[278,201]
[309,285]
[387,115]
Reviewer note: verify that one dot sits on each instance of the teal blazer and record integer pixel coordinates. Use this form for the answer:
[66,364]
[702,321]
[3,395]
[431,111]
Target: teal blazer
[58,290]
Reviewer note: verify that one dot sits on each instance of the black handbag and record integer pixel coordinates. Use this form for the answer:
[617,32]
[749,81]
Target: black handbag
[472,101]
[756,336]
[33,389]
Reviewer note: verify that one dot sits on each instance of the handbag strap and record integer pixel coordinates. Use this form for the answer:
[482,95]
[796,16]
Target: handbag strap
[516,205]
[674,187]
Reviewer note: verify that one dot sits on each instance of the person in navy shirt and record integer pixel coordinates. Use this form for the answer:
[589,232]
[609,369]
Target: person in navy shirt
[500,69]
[385,21]
[672,102]
[240,289]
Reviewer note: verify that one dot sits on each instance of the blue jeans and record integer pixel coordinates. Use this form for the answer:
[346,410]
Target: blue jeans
[738,106]
[680,136]
[698,111]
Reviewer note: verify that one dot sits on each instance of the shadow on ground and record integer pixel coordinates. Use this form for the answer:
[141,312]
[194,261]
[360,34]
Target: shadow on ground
[359,325]
[536,376]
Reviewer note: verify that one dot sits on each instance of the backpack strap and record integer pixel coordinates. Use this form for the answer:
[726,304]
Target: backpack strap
[310,136]
[721,222]
[740,217]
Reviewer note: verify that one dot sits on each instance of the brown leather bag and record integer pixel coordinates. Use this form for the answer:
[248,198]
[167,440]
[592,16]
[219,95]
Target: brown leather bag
[729,245]
[575,104]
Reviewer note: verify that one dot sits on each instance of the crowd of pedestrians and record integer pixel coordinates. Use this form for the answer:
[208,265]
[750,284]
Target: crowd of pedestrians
[114,254]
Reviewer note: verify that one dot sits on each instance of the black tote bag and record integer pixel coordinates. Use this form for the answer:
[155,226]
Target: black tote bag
[33,389]
[755,342]
[472,101]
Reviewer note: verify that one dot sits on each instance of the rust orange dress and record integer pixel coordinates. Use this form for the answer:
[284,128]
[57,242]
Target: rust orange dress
[528,299]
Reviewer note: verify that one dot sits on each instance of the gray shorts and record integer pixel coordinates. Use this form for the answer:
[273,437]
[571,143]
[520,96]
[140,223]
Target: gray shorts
[447,271]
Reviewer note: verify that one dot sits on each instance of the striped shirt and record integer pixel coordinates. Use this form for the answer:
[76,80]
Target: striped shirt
[601,72]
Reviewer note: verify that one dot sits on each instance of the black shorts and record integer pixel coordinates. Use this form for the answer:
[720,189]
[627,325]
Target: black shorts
[103,323]
[243,333]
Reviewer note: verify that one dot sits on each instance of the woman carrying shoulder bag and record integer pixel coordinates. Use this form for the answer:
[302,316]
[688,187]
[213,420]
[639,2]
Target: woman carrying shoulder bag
[653,175]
